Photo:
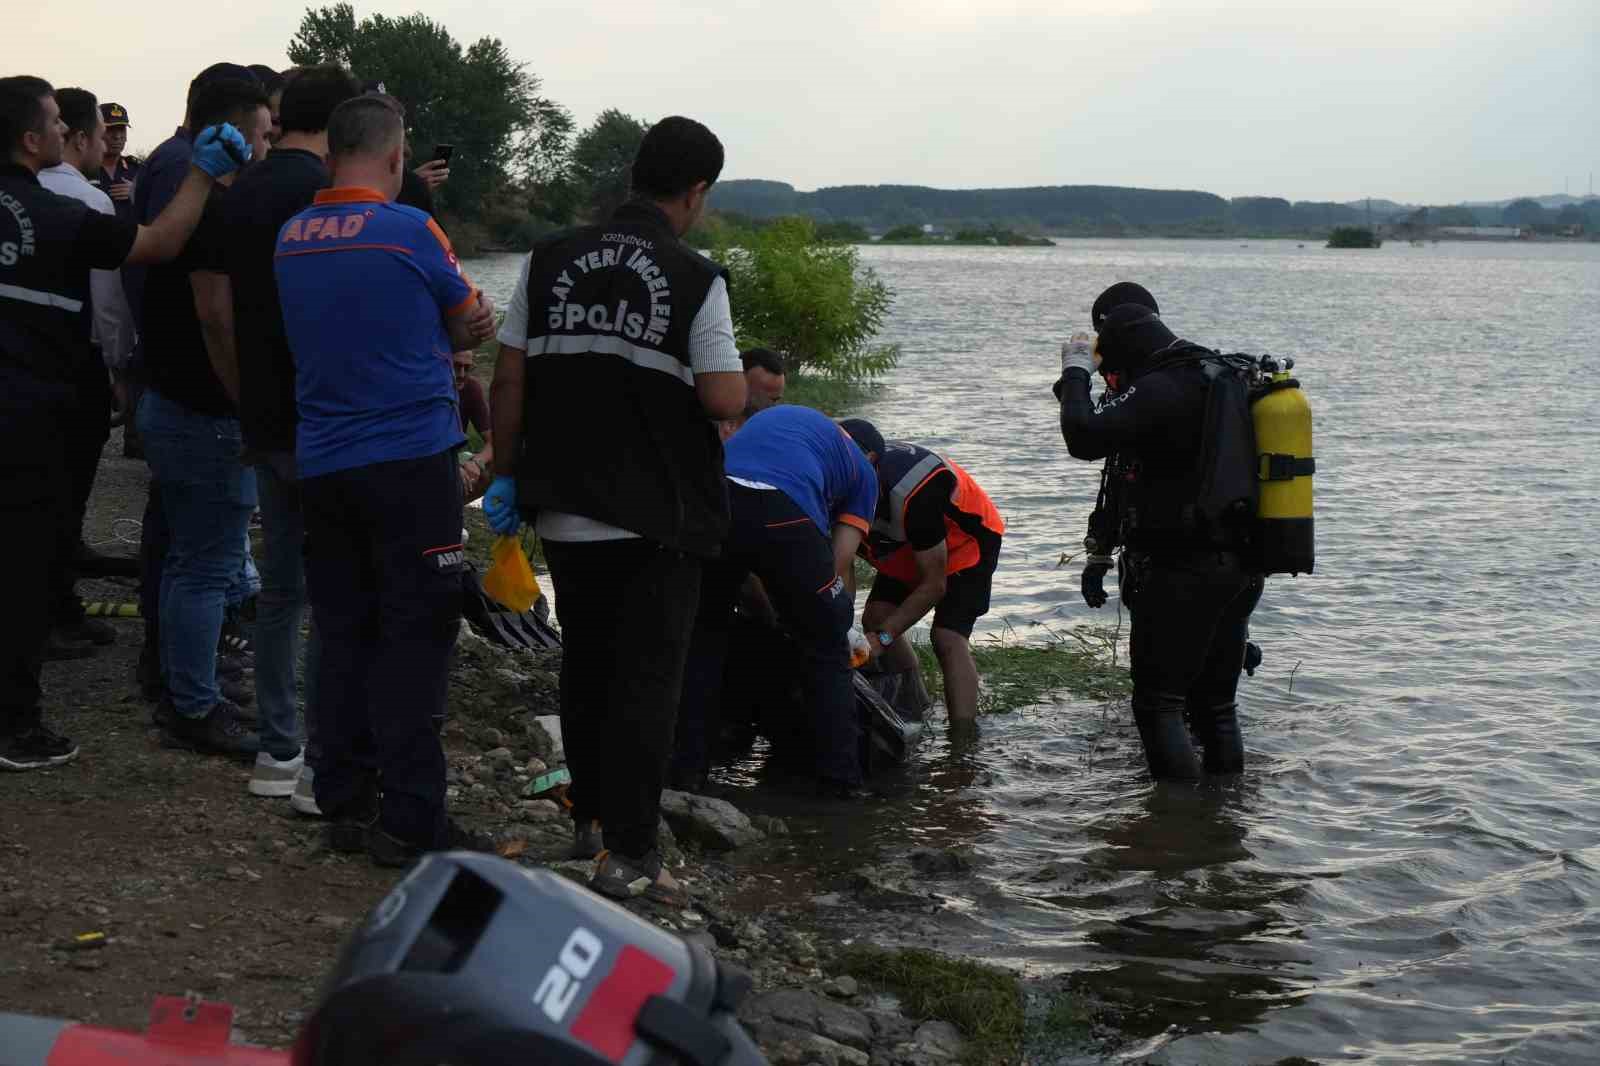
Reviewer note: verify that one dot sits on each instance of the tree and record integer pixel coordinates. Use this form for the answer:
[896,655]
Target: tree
[479,99]
[1524,212]
[602,162]
[809,299]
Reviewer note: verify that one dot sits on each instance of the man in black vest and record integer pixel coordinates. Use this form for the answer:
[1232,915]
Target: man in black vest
[48,245]
[618,348]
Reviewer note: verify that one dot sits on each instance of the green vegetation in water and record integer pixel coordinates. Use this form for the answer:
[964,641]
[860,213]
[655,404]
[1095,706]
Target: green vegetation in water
[1353,237]
[1015,675]
[834,397]
[984,1002]
[993,235]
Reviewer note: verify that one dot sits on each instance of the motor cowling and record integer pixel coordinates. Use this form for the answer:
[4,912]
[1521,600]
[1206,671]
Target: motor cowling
[474,960]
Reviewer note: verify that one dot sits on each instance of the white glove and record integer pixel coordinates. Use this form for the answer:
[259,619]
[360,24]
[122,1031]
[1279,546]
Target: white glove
[1078,353]
[860,650]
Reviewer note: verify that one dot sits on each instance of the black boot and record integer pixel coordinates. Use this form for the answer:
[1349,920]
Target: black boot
[1167,748]
[1219,733]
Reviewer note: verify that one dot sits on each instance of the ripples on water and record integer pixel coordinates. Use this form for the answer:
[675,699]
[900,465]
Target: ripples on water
[1410,869]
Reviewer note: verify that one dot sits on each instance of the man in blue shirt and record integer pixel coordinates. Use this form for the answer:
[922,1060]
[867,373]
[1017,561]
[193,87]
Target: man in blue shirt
[374,303]
[802,495]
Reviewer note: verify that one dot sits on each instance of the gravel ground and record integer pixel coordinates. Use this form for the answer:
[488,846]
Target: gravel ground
[200,887]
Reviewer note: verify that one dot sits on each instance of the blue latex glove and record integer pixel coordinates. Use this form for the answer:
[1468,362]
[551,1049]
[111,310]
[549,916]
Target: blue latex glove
[220,150]
[500,505]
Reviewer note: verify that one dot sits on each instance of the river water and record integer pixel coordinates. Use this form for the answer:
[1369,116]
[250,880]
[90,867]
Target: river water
[1409,871]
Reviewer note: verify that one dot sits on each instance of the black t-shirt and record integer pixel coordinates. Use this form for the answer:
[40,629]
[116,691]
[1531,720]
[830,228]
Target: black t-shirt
[926,511]
[174,350]
[261,201]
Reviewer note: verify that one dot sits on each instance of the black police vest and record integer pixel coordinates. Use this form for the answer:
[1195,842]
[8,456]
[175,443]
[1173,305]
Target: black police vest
[612,426]
[44,294]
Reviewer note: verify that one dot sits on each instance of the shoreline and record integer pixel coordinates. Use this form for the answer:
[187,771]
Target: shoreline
[200,887]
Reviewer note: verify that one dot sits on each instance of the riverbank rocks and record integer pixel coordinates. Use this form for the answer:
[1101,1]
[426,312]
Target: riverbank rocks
[712,823]
[796,1027]
[938,862]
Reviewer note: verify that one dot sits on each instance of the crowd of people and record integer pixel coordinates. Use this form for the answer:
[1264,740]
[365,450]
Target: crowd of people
[270,300]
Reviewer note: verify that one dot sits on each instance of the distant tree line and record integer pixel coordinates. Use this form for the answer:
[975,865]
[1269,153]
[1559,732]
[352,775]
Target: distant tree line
[1095,210]
[522,166]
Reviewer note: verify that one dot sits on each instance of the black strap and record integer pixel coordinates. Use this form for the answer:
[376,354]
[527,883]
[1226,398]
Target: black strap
[1276,466]
[688,1033]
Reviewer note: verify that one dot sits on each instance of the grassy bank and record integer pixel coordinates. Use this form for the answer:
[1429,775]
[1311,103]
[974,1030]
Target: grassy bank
[1016,674]
[984,1002]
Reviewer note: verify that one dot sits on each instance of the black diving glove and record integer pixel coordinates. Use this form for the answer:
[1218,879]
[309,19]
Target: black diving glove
[1093,583]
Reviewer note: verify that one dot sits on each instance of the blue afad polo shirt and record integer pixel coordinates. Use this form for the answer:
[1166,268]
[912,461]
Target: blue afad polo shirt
[366,286]
[810,459]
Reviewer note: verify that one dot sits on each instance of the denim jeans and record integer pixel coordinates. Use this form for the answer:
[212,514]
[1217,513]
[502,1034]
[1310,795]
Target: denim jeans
[206,498]
[279,609]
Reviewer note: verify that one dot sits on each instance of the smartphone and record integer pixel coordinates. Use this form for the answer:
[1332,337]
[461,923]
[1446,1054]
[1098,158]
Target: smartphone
[443,152]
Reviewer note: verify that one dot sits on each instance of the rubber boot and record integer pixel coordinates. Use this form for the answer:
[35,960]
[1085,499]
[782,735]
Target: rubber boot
[1167,748]
[1219,733]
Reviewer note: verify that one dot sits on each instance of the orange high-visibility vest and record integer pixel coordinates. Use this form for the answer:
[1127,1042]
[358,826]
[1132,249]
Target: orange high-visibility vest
[903,471]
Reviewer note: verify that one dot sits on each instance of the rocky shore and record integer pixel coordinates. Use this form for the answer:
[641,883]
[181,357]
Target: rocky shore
[199,887]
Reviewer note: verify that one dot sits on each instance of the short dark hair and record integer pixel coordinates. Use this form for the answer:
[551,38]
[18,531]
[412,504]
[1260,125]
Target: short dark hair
[270,79]
[765,358]
[216,72]
[311,94]
[365,125]
[225,100]
[79,110]
[676,154]
[21,109]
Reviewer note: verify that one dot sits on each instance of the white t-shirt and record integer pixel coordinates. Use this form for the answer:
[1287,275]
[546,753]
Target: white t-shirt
[112,328]
[712,350]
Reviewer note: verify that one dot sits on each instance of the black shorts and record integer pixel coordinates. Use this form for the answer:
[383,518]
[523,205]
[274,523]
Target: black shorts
[966,592]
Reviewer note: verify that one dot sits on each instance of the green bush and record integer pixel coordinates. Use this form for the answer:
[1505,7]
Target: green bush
[809,299]
[905,233]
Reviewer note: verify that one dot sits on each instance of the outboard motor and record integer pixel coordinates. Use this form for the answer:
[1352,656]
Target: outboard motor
[474,960]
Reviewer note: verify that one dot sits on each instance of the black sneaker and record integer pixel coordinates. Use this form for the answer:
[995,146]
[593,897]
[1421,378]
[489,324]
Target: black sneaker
[35,748]
[389,850]
[87,631]
[233,640]
[220,732]
[235,691]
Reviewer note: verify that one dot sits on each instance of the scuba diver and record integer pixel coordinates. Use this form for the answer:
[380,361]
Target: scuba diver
[1178,497]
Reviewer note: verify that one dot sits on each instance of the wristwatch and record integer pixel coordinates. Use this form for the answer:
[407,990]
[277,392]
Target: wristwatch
[885,638]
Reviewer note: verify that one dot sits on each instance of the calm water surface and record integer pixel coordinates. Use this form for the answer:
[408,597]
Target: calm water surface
[1410,869]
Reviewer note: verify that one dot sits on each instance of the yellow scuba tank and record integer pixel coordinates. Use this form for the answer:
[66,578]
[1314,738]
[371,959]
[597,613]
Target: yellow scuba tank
[1284,466]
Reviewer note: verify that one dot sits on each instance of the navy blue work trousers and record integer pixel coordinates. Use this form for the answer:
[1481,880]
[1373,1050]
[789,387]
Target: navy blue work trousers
[383,572]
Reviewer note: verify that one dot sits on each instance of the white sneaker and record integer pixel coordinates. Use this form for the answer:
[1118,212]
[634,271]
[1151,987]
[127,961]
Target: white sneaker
[304,799]
[274,778]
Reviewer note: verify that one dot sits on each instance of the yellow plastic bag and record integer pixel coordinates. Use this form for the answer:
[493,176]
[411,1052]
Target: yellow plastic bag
[510,581]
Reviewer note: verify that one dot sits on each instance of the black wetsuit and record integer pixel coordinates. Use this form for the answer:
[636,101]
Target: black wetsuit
[1190,598]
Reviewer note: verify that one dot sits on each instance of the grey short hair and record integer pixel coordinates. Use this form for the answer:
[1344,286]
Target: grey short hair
[365,125]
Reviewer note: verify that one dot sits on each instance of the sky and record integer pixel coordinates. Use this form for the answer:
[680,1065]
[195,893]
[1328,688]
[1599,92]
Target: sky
[1426,101]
